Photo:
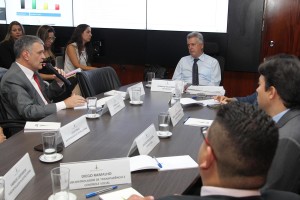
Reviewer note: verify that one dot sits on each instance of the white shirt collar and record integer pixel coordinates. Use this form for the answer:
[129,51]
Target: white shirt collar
[28,72]
[277,117]
[210,190]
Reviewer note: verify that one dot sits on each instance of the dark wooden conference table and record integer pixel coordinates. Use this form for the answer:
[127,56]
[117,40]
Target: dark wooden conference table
[111,137]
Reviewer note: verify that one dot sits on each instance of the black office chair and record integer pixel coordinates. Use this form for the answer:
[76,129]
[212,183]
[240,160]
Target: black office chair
[160,72]
[212,49]
[9,126]
[97,81]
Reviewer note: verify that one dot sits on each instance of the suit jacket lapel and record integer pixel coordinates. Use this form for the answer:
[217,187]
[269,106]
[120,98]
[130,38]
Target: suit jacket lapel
[287,117]
[31,90]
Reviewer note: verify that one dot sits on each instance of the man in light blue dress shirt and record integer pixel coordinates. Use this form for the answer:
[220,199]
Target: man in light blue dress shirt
[209,71]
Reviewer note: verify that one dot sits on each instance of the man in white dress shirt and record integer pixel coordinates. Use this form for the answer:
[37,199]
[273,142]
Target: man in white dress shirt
[24,94]
[208,68]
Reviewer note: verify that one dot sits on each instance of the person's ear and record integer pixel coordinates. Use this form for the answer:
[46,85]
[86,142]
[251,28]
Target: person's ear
[25,55]
[272,92]
[207,158]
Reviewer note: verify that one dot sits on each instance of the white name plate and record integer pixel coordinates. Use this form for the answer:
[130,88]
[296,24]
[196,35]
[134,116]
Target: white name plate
[138,85]
[162,85]
[176,113]
[18,177]
[147,140]
[115,104]
[74,130]
[99,173]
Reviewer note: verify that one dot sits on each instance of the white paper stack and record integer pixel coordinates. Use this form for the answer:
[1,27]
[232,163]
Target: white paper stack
[41,126]
[206,90]
[190,101]
[120,194]
[125,95]
[143,162]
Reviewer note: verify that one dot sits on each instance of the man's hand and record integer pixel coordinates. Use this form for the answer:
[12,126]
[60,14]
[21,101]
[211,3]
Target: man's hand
[74,100]
[2,136]
[224,99]
[62,72]
[136,197]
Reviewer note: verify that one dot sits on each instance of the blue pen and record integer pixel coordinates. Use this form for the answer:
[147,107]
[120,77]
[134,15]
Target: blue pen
[186,119]
[101,191]
[158,163]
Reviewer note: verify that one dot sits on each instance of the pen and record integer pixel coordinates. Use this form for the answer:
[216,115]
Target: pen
[185,120]
[158,163]
[101,191]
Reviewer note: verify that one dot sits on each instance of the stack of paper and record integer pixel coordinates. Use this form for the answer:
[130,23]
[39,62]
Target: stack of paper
[206,90]
[41,126]
[73,73]
[125,95]
[143,162]
[198,122]
[120,194]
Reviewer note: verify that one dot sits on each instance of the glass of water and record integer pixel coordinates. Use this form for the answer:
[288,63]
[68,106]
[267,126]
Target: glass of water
[92,107]
[49,145]
[163,122]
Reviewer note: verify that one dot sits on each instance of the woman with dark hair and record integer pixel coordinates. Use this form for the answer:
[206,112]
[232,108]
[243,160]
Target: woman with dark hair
[15,31]
[79,50]
[47,35]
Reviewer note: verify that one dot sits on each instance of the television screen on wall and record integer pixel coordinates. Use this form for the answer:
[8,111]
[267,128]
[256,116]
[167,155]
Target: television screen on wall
[40,12]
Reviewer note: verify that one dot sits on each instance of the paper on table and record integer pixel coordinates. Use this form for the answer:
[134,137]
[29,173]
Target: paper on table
[143,162]
[41,126]
[120,194]
[176,162]
[207,90]
[189,101]
[124,95]
[100,103]
[198,122]
[209,102]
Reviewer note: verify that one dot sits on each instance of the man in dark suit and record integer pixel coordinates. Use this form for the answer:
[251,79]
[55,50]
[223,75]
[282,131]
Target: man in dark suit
[278,94]
[23,92]
[235,156]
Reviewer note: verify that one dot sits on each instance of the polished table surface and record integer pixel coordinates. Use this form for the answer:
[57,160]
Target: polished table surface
[111,137]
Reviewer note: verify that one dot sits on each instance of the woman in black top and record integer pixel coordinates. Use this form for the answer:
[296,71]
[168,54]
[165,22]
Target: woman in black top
[47,35]
[7,55]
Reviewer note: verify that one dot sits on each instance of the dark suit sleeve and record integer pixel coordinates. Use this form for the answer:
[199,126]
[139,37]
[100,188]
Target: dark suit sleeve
[284,172]
[275,194]
[251,99]
[20,98]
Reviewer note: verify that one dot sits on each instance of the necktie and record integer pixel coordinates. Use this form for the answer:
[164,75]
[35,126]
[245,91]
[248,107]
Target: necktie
[36,79]
[195,80]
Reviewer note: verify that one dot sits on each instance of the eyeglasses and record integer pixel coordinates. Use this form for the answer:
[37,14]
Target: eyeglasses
[51,38]
[203,132]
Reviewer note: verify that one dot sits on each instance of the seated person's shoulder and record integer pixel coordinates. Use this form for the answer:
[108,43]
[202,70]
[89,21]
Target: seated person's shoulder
[276,194]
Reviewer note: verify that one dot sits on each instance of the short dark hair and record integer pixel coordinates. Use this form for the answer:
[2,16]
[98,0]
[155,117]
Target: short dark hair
[283,72]
[25,43]
[244,140]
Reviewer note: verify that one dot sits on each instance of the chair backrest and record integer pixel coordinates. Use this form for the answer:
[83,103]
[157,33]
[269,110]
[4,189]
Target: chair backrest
[212,49]
[59,62]
[160,72]
[3,115]
[97,81]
